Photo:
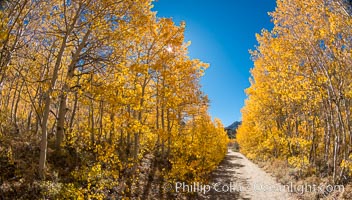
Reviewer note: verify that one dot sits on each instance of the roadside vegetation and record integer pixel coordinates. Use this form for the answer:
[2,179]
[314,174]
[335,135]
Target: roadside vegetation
[297,118]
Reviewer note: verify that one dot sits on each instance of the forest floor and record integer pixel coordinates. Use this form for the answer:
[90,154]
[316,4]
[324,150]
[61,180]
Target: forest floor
[239,178]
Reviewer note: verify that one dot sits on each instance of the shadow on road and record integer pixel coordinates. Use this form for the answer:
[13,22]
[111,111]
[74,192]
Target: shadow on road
[224,181]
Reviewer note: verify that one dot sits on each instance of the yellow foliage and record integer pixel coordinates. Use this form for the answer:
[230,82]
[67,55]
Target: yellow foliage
[347,164]
[200,152]
[300,162]
[105,87]
[301,79]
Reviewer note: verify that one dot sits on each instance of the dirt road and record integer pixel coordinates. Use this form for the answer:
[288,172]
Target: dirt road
[239,178]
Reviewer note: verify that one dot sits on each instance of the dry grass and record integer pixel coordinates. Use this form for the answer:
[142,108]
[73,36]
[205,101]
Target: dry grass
[347,194]
[286,175]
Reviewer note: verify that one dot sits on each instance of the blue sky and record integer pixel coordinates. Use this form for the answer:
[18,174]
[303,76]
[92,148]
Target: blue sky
[221,33]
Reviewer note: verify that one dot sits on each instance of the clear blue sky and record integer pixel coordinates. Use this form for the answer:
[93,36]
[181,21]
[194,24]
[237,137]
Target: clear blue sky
[221,33]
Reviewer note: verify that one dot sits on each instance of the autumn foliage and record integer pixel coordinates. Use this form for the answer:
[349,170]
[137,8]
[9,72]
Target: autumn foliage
[93,93]
[300,99]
